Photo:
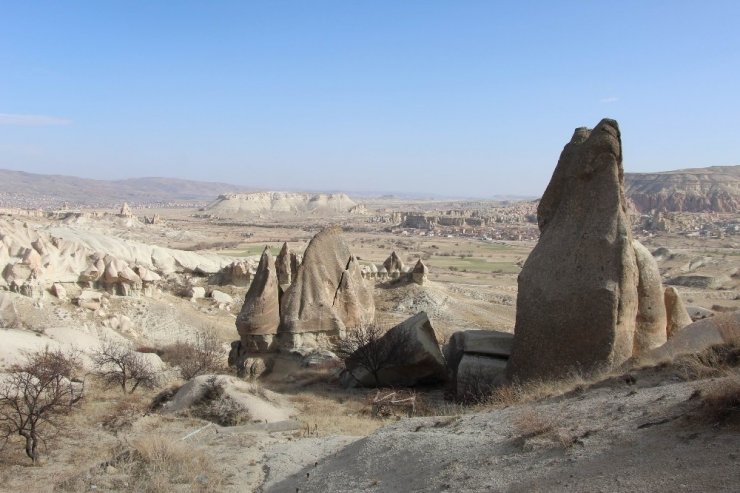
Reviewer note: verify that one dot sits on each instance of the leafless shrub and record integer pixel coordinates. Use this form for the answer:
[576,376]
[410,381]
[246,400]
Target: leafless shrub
[217,407]
[123,411]
[204,355]
[372,348]
[35,394]
[118,365]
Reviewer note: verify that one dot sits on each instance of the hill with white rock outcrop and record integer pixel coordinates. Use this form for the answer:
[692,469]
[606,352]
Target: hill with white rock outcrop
[245,204]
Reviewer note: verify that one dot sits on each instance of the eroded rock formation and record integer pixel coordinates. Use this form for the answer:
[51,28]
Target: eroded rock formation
[259,319]
[328,295]
[283,266]
[650,325]
[393,265]
[420,273]
[578,298]
[677,314]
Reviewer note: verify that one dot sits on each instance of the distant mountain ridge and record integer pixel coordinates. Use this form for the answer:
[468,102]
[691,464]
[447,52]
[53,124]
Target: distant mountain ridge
[711,189]
[22,189]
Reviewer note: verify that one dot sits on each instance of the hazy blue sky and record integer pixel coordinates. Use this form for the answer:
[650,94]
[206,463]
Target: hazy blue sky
[456,97]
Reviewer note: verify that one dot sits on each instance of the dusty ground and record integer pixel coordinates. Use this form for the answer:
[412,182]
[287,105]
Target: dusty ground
[651,432]
[609,437]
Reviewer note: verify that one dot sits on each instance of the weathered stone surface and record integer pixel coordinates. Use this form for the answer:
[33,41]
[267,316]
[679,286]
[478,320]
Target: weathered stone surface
[477,375]
[420,361]
[246,363]
[488,342]
[453,351]
[260,314]
[420,273]
[221,297]
[196,292]
[577,299]
[328,294]
[677,315]
[486,353]
[295,262]
[720,329]
[59,291]
[282,266]
[699,313]
[650,326]
[90,300]
[393,263]
[699,281]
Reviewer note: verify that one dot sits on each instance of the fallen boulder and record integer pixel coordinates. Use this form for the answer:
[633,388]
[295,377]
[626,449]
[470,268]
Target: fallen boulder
[409,353]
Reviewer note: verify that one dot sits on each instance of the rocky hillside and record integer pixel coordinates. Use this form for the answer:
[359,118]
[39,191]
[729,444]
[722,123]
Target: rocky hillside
[241,204]
[21,189]
[713,189]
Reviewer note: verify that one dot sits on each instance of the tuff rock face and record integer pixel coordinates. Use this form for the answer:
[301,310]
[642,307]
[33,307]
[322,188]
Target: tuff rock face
[328,295]
[393,264]
[125,210]
[677,314]
[650,325]
[282,266]
[420,273]
[578,297]
[259,318]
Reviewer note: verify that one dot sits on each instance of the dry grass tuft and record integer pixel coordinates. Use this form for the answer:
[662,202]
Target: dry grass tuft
[531,424]
[715,361]
[124,412]
[518,393]
[720,401]
[329,415]
[153,464]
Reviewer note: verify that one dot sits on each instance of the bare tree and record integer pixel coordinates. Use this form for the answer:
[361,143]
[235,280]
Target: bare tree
[35,394]
[373,348]
[121,366]
[205,355]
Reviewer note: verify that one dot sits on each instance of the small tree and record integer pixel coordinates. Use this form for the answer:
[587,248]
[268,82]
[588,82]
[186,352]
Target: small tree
[35,394]
[204,355]
[373,348]
[121,366]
